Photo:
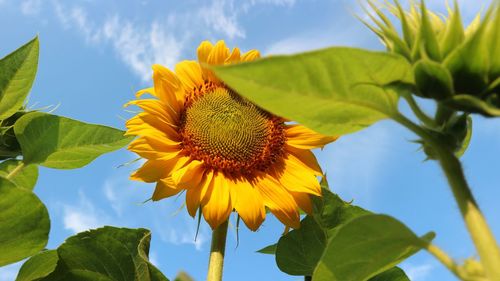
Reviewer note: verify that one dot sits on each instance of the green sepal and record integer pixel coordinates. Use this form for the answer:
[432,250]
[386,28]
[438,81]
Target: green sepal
[433,80]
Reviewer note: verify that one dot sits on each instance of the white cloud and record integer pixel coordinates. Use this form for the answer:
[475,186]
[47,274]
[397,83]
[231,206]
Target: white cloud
[222,17]
[137,46]
[184,234]
[31,7]
[418,272]
[298,43]
[82,216]
[9,272]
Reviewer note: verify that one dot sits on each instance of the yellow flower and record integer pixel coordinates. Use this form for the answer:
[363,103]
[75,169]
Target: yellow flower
[201,137]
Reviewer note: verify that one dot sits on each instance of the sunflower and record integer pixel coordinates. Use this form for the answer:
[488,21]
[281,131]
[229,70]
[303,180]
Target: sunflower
[227,154]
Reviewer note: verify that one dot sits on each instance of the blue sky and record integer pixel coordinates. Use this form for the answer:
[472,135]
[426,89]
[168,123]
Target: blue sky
[96,54]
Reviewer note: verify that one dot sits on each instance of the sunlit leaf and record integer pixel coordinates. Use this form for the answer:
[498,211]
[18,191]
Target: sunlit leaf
[58,142]
[17,73]
[366,246]
[107,253]
[26,176]
[333,91]
[38,266]
[24,223]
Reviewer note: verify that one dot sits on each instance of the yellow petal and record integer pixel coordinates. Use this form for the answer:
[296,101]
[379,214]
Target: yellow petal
[248,203]
[304,201]
[189,72]
[234,57]
[204,50]
[218,54]
[304,138]
[145,123]
[294,177]
[218,206]
[250,56]
[157,108]
[194,194]
[166,85]
[150,91]
[164,189]
[154,170]
[189,176]
[279,201]
[155,148]
[307,158]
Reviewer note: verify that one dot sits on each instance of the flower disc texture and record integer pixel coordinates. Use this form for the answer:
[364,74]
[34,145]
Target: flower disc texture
[227,154]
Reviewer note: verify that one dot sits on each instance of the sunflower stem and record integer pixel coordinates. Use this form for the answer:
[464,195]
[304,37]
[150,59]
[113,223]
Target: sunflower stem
[216,260]
[481,234]
[16,170]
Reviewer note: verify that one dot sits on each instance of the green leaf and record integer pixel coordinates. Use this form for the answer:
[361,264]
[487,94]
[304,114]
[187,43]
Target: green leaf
[106,254]
[472,104]
[62,143]
[393,274]
[17,73]
[494,44]
[38,266]
[25,178]
[366,246]
[433,80]
[453,34]
[24,223]
[333,91]
[270,250]
[299,251]
[428,36]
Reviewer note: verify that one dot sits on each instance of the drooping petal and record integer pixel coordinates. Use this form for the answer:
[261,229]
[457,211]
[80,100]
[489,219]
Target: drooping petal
[304,138]
[279,201]
[307,158]
[194,194]
[188,176]
[304,201]
[218,205]
[158,109]
[189,72]
[164,189]
[144,124]
[154,170]
[294,177]
[248,203]
[155,148]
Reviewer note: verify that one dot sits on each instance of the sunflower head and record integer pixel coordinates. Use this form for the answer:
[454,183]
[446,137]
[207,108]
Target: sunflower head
[227,154]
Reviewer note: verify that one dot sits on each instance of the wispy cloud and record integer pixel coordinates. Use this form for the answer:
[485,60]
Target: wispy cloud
[31,7]
[418,272]
[83,215]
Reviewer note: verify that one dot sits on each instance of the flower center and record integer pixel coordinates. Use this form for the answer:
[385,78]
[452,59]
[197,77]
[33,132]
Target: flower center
[231,134]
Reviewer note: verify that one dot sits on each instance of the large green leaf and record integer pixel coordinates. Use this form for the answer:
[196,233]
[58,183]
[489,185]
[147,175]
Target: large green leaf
[106,254]
[24,223]
[58,142]
[38,266]
[298,252]
[17,73]
[366,246]
[393,274]
[333,91]
[25,177]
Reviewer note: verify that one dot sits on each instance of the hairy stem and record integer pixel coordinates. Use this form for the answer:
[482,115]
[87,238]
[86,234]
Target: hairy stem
[216,260]
[445,260]
[479,231]
[422,116]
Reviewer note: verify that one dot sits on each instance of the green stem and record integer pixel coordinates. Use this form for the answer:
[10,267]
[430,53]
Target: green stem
[216,260]
[443,114]
[479,231]
[446,260]
[16,170]
[308,278]
[422,116]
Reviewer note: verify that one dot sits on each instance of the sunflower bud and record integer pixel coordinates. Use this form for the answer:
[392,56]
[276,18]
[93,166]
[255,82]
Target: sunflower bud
[457,65]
